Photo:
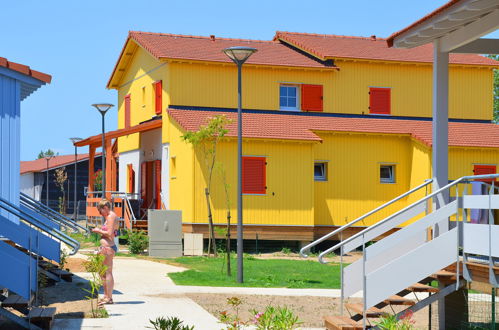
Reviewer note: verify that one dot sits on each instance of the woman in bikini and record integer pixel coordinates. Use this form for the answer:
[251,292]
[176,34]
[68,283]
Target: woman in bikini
[107,247]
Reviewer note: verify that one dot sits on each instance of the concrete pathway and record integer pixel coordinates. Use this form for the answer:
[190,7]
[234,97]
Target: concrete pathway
[138,286]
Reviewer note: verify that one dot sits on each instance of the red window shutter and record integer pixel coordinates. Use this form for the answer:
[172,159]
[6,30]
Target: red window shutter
[254,175]
[158,101]
[131,179]
[157,183]
[379,101]
[311,98]
[484,169]
[127,111]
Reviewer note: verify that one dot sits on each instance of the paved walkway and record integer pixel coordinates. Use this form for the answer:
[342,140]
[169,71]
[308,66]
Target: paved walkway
[136,301]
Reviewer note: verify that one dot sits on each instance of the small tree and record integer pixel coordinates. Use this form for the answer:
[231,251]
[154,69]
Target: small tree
[48,153]
[98,180]
[60,179]
[207,138]
[226,185]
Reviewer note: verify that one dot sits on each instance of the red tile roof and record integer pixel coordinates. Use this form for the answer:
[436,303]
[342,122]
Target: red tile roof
[24,69]
[199,48]
[39,165]
[422,20]
[332,46]
[302,127]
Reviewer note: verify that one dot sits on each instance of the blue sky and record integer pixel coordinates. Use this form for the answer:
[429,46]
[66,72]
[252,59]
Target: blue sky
[78,43]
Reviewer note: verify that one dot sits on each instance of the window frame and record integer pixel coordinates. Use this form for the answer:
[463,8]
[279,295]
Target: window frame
[393,172]
[298,97]
[324,177]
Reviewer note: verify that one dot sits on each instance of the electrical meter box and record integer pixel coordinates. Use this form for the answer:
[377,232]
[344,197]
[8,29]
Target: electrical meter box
[165,233]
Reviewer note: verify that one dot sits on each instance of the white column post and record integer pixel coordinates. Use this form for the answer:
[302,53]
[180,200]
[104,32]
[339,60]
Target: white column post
[440,154]
[440,149]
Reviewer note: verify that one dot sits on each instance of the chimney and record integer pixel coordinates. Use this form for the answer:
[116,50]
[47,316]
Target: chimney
[212,37]
[373,37]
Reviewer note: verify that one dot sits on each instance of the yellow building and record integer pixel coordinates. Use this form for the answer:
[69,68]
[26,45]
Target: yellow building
[334,126]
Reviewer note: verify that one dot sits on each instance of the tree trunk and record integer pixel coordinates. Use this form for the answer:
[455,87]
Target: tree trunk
[227,247]
[211,240]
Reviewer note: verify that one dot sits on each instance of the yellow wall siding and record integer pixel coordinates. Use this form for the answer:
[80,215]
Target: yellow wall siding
[353,187]
[215,85]
[470,89]
[181,174]
[138,80]
[461,160]
[289,197]
[345,91]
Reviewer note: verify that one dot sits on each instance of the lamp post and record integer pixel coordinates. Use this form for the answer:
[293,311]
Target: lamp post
[239,55]
[47,158]
[103,108]
[74,140]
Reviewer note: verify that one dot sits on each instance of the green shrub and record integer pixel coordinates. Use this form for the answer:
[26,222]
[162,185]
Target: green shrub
[275,318]
[390,322]
[171,323]
[137,241]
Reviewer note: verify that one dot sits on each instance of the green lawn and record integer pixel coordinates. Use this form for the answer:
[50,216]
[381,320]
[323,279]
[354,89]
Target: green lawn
[270,273]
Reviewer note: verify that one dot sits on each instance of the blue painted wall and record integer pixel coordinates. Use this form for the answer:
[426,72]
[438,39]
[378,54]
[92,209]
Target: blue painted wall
[10,99]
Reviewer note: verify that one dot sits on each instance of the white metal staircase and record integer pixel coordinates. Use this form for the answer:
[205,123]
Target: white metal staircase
[396,262]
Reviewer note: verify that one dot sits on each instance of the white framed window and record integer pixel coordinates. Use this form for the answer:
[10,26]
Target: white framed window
[320,171]
[289,97]
[386,173]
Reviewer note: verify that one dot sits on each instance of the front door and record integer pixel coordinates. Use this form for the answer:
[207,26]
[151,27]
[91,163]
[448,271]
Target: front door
[150,185]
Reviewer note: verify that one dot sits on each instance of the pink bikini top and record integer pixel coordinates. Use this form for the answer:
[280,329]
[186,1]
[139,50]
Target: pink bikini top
[105,228]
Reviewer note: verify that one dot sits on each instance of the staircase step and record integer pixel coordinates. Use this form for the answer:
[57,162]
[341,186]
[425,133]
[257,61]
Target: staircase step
[418,287]
[398,300]
[15,301]
[42,317]
[341,323]
[359,309]
[61,273]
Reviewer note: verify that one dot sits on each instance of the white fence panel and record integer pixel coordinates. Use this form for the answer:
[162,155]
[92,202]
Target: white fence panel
[411,268]
[481,201]
[476,239]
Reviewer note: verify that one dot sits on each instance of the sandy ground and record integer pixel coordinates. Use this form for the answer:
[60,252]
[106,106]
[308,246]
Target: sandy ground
[310,310]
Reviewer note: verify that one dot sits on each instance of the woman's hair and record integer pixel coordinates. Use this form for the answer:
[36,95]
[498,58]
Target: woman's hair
[103,203]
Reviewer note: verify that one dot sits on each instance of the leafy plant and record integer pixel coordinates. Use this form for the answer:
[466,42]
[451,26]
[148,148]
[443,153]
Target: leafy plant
[63,258]
[391,322]
[137,241]
[286,251]
[60,179]
[207,138]
[98,180]
[232,320]
[95,266]
[496,89]
[275,318]
[171,323]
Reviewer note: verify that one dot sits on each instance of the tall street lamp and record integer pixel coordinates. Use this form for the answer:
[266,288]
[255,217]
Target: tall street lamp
[47,158]
[103,107]
[74,140]
[239,55]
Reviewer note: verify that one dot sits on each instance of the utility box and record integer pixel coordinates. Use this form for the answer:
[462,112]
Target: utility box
[193,244]
[165,233]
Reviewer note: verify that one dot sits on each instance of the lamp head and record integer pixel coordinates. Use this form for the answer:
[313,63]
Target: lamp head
[75,139]
[103,107]
[239,54]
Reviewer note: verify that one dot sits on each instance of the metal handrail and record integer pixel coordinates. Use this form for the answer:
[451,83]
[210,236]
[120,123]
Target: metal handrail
[52,215]
[15,210]
[376,225]
[305,249]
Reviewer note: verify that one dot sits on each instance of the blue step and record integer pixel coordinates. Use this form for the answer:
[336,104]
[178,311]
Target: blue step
[21,233]
[15,274]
